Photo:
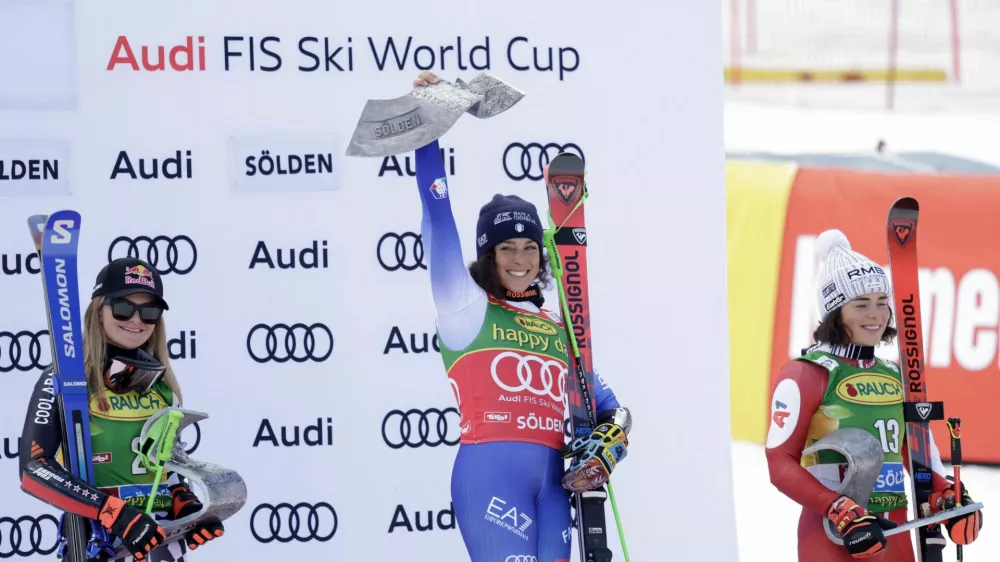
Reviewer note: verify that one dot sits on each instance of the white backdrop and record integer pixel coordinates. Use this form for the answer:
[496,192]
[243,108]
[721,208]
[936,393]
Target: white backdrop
[640,94]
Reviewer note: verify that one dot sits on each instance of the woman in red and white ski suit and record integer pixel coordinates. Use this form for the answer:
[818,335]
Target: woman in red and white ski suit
[850,330]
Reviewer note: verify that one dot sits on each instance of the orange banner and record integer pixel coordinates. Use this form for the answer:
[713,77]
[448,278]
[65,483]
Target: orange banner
[959,257]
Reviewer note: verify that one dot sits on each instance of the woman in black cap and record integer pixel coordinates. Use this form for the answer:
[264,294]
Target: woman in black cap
[506,359]
[128,379]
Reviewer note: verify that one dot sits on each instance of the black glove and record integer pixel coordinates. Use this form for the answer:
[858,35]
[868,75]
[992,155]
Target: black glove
[185,503]
[138,532]
[862,531]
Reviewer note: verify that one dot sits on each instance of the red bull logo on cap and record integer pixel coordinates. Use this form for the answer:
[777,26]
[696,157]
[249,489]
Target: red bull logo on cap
[139,275]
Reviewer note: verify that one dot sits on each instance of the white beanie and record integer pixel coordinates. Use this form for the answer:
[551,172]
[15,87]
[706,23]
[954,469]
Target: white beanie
[845,274]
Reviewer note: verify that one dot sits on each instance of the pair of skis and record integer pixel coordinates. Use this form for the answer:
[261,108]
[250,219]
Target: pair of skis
[901,229]
[566,242]
[57,240]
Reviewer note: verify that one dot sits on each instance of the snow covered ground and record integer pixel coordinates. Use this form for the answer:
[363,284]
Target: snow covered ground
[766,519]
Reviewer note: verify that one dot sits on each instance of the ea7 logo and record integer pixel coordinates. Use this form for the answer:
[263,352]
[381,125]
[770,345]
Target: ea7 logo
[62,234]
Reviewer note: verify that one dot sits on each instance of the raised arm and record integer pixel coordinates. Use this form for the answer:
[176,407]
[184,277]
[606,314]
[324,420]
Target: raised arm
[460,302]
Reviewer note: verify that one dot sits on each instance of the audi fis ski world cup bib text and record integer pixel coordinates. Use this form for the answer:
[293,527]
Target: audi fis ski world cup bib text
[269,53]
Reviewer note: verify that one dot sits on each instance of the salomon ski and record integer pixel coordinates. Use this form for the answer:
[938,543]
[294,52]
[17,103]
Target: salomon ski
[56,241]
[566,242]
[918,411]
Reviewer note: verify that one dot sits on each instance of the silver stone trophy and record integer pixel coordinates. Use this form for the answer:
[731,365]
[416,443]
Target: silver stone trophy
[404,124]
[864,464]
[221,490]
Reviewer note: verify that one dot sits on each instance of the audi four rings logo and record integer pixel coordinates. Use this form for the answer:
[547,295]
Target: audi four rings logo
[167,255]
[401,251]
[398,428]
[528,161]
[22,350]
[297,342]
[551,375]
[285,522]
[24,536]
[520,558]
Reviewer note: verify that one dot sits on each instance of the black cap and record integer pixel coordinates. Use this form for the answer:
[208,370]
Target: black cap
[128,276]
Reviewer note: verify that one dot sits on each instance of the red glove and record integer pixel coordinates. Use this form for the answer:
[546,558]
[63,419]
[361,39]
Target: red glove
[862,531]
[185,503]
[962,530]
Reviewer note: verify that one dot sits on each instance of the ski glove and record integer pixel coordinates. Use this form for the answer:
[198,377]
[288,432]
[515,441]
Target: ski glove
[185,503]
[600,452]
[962,530]
[138,532]
[861,531]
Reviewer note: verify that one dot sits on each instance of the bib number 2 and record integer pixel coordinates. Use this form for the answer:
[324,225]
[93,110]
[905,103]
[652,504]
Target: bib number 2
[888,431]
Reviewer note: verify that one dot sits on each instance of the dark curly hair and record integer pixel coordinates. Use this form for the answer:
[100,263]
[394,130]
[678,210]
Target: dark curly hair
[833,331]
[484,273]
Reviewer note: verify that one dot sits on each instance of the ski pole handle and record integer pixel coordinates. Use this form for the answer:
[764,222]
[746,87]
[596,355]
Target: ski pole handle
[955,431]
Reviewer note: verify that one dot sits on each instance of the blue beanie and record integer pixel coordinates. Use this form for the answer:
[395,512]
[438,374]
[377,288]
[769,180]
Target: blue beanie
[506,217]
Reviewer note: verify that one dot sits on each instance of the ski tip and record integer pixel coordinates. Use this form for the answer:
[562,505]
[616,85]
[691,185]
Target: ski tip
[36,225]
[564,164]
[906,203]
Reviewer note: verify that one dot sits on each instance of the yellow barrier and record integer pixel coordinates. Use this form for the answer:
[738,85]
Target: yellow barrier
[776,76]
[756,200]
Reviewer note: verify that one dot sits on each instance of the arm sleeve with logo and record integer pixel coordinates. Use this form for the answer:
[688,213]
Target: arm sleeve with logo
[604,395]
[788,431]
[460,302]
[41,475]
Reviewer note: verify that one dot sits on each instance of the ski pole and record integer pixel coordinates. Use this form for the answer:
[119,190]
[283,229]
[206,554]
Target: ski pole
[164,450]
[955,429]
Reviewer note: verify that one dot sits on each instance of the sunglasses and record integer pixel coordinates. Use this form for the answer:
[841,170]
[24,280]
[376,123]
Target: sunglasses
[123,309]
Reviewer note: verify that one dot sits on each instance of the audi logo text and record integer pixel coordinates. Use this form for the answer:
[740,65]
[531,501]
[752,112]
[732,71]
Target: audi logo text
[528,161]
[167,255]
[401,251]
[415,428]
[297,342]
[22,350]
[24,536]
[285,522]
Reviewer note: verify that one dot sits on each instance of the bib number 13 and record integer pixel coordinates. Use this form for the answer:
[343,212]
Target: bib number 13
[888,431]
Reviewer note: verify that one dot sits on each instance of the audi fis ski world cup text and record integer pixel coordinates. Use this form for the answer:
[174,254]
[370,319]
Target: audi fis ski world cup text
[527,161]
[166,254]
[270,53]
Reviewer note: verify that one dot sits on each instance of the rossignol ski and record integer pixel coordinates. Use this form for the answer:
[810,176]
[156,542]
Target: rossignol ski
[918,411]
[56,240]
[566,242]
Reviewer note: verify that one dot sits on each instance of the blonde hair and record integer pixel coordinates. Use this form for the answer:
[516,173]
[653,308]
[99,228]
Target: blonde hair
[95,343]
